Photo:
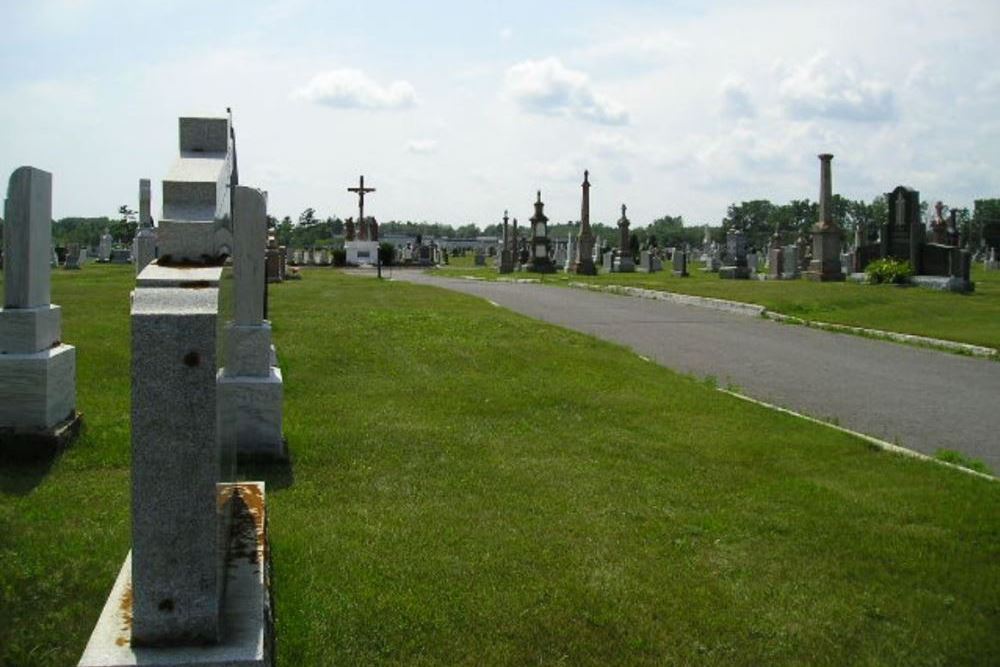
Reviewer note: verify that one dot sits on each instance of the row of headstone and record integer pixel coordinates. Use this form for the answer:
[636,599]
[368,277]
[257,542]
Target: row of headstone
[194,589]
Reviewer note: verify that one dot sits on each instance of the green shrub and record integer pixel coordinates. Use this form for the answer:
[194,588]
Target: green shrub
[387,253]
[889,270]
[339,257]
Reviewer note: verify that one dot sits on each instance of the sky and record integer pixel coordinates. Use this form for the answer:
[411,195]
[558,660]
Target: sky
[456,111]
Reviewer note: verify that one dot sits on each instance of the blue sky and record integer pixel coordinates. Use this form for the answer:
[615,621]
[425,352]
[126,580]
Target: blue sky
[456,111]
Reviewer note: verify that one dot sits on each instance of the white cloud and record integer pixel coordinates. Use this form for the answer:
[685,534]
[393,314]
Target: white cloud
[353,89]
[736,100]
[824,87]
[422,146]
[506,34]
[550,88]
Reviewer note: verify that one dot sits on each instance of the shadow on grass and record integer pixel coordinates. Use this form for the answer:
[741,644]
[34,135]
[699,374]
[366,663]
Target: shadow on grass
[275,474]
[20,477]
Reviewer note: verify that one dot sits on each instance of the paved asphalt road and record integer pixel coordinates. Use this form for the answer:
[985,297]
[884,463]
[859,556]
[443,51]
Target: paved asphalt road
[918,398]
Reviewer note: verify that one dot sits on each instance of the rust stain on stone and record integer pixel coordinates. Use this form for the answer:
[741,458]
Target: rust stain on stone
[248,524]
[125,607]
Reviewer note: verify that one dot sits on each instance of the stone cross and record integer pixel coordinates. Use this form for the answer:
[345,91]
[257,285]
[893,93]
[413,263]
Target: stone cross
[27,239]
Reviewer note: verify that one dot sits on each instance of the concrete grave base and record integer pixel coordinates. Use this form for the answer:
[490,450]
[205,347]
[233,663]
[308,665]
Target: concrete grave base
[250,415]
[247,623]
[734,273]
[944,283]
[38,390]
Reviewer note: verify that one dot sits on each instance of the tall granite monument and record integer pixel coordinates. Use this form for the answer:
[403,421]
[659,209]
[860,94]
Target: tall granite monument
[584,264]
[626,262]
[539,261]
[825,265]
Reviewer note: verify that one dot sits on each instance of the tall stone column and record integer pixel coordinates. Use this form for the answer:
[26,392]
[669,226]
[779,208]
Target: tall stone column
[825,265]
[37,371]
[584,264]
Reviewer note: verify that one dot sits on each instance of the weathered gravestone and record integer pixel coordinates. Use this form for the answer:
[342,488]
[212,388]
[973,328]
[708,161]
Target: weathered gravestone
[251,387]
[790,257]
[75,256]
[37,371]
[649,262]
[272,257]
[680,261]
[104,247]
[775,259]
[585,260]
[736,246]
[144,244]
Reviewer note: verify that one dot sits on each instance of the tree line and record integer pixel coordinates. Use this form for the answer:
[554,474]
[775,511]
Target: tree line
[759,219]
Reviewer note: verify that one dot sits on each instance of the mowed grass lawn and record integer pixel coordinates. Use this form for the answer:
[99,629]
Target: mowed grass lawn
[473,487]
[967,318]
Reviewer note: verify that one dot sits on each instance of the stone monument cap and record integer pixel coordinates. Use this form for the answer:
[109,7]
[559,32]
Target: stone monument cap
[204,134]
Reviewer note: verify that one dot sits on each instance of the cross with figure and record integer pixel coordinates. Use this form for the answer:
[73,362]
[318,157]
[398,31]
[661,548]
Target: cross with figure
[361,191]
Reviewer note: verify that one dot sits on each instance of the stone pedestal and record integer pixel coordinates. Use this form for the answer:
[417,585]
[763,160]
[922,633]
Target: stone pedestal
[251,394]
[825,265]
[361,253]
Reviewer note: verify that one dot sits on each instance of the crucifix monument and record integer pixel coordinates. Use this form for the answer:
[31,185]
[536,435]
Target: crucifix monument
[363,250]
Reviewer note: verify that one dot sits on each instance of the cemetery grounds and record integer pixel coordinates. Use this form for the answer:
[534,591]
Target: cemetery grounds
[471,486]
